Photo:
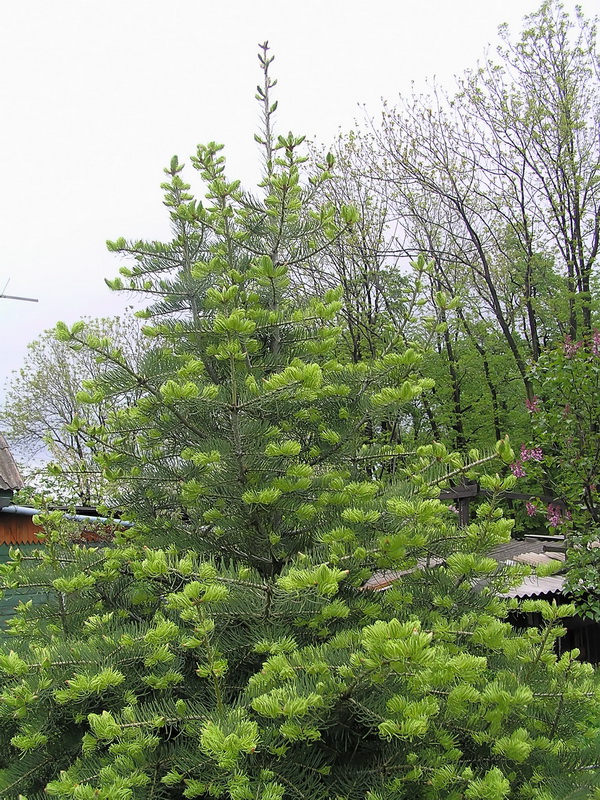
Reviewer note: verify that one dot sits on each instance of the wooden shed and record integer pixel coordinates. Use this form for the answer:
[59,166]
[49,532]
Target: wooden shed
[14,529]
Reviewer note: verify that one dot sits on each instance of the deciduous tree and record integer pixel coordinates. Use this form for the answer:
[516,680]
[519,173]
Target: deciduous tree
[44,419]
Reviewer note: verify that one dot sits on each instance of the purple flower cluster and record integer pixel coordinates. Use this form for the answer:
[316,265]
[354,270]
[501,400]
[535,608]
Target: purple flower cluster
[532,454]
[571,348]
[517,469]
[533,405]
[553,515]
[527,454]
[596,343]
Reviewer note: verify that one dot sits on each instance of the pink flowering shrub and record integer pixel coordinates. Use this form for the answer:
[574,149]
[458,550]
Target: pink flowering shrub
[571,348]
[564,458]
[527,454]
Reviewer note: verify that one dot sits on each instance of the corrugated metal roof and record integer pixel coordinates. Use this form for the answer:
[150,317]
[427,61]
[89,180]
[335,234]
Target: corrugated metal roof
[532,586]
[10,477]
[532,552]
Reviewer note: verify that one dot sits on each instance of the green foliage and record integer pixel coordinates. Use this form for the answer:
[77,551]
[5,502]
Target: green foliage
[226,645]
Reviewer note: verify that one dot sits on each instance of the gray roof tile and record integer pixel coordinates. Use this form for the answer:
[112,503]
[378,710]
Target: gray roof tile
[10,477]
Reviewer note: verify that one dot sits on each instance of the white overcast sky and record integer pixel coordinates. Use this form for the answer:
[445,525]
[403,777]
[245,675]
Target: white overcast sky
[97,95]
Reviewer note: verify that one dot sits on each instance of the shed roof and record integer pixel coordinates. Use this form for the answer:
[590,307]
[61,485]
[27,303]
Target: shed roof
[530,551]
[510,550]
[10,478]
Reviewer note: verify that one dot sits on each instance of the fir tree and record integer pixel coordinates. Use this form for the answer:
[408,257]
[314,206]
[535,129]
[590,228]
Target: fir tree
[226,645]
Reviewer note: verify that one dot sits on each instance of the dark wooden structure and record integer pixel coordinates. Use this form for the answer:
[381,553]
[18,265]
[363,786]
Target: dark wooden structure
[465,493]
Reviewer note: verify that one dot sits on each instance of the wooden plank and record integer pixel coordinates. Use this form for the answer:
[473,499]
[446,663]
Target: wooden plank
[456,492]
[473,490]
[18,529]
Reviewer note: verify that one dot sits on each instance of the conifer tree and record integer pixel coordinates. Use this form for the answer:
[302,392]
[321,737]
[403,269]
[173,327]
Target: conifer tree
[228,645]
